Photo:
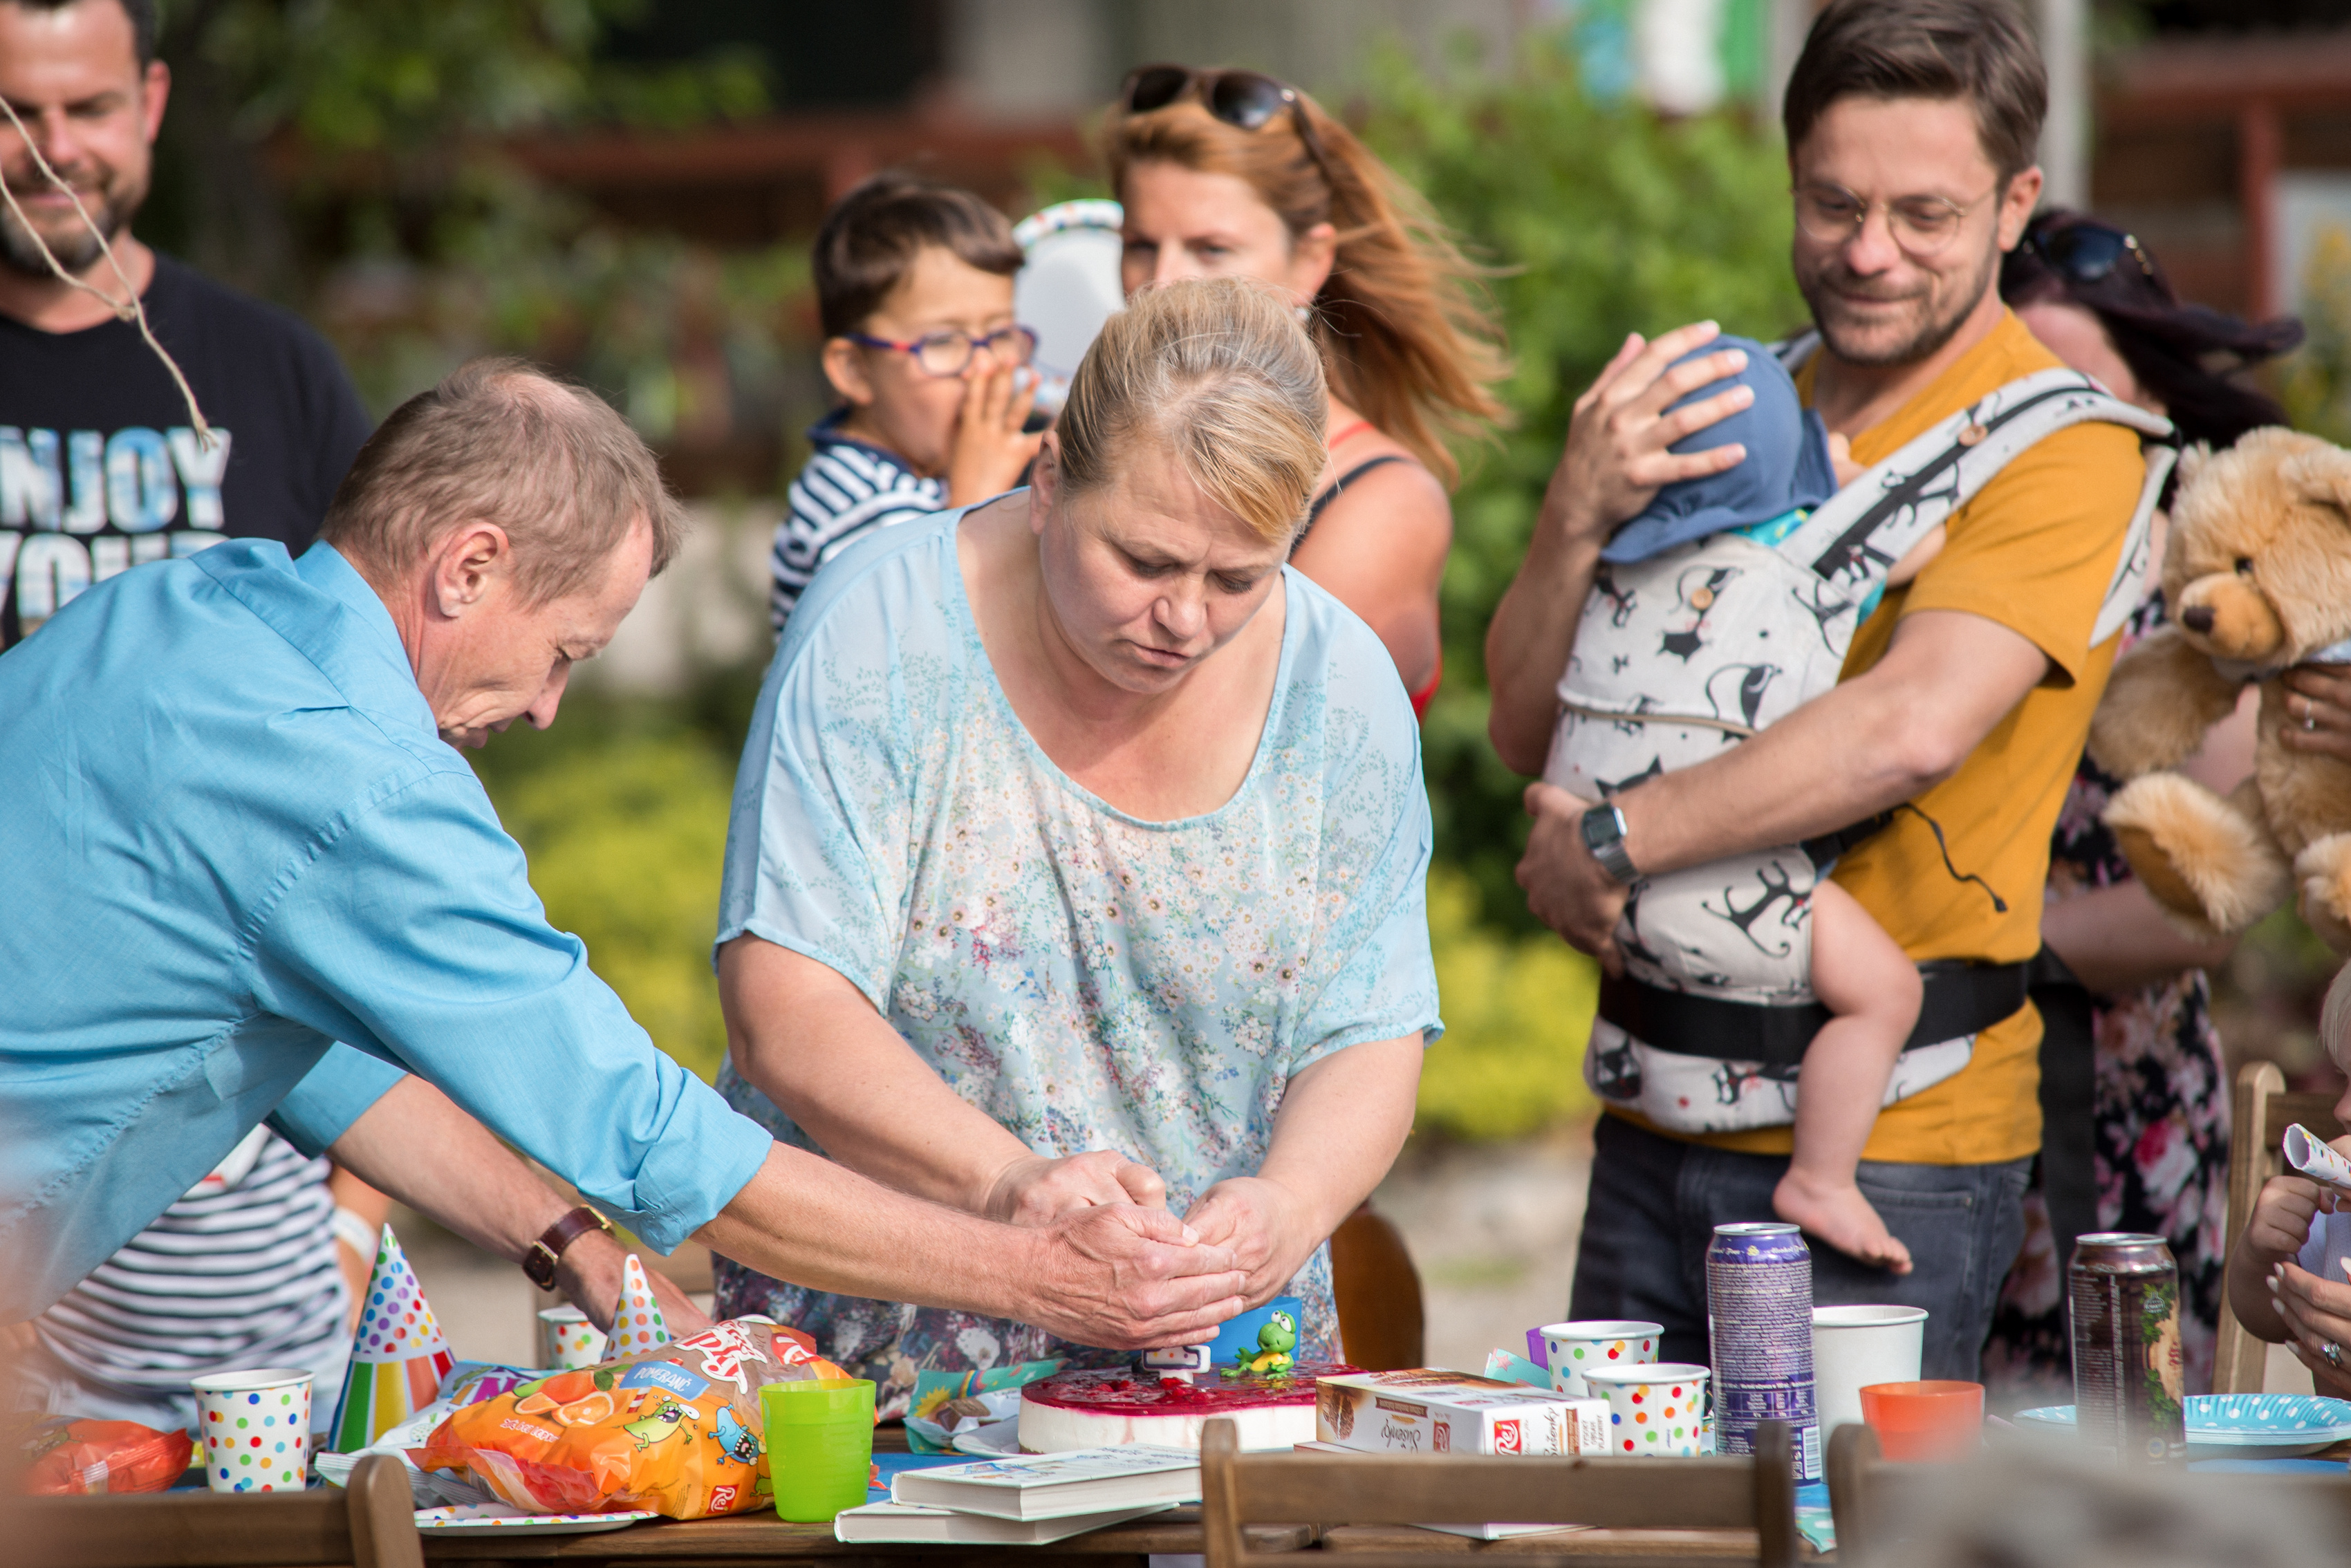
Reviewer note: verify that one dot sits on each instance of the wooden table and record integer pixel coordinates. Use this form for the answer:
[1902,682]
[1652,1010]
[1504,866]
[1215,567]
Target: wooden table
[763,1538]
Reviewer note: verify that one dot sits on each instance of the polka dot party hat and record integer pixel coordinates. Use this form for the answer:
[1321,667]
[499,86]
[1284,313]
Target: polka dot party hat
[637,1324]
[398,1358]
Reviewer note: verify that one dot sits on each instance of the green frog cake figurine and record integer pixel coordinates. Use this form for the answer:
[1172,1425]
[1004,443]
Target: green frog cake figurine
[1277,1352]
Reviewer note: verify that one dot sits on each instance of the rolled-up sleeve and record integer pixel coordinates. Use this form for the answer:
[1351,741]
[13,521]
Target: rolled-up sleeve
[410,931]
[332,1096]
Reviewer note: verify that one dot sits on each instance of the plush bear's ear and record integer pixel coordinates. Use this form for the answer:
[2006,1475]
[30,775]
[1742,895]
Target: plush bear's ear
[2321,474]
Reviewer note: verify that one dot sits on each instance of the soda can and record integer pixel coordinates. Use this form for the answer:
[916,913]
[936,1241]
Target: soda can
[2122,1303]
[1758,1308]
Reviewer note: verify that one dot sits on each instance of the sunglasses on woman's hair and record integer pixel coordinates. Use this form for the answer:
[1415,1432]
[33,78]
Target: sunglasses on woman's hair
[1245,101]
[2087,252]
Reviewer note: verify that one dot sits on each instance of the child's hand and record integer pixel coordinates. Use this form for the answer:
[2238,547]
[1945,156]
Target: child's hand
[2282,1216]
[988,452]
[1841,459]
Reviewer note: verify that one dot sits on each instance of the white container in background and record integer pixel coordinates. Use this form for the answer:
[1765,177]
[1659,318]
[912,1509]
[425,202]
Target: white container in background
[1855,1346]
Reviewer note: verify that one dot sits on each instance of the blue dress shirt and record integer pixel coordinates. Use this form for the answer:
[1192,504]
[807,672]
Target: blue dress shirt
[230,837]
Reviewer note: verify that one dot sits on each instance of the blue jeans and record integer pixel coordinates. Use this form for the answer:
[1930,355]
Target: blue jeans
[1656,1201]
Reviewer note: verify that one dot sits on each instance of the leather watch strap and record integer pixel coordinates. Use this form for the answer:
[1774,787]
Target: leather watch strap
[547,1251]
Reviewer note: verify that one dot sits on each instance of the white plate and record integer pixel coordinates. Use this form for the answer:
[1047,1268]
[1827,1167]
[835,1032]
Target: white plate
[514,1522]
[2237,1425]
[993,1441]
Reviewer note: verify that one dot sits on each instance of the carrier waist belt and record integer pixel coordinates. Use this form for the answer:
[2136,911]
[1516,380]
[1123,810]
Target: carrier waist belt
[1961,998]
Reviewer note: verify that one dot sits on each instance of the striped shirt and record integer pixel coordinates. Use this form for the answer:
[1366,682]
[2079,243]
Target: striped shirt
[848,489]
[239,1273]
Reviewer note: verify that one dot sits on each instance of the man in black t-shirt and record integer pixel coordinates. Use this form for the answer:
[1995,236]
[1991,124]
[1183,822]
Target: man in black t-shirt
[101,467]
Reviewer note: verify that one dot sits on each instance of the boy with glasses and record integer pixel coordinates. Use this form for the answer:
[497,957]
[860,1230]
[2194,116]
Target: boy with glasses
[1966,695]
[914,286]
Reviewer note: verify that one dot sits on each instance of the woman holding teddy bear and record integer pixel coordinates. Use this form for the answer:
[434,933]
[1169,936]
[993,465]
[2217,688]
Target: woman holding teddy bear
[2135,1095]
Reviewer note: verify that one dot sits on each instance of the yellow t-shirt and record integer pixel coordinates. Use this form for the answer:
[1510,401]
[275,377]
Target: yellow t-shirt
[2033,552]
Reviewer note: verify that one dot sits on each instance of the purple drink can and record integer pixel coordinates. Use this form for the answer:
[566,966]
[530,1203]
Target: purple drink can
[1758,1308]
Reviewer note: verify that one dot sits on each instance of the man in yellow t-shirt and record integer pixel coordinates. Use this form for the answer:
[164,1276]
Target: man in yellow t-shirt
[1965,696]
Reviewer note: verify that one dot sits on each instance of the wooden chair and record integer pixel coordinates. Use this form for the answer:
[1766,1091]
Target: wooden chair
[1757,1492]
[2262,1112]
[372,1524]
[1381,1325]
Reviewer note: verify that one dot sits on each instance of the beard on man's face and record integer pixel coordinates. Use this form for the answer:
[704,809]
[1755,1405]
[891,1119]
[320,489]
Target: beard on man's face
[112,202]
[1865,321]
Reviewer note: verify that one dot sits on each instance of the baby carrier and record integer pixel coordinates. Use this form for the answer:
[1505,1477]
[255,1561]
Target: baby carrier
[1701,647]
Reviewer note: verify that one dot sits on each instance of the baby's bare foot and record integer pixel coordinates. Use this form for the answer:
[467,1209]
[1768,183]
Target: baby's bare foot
[1837,1214]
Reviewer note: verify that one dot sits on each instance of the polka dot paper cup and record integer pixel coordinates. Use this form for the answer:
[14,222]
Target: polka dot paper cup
[256,1428]
[1653,1412]
[1576,1348]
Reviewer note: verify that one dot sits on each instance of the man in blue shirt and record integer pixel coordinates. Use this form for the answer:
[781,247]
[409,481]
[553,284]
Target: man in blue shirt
[233,832]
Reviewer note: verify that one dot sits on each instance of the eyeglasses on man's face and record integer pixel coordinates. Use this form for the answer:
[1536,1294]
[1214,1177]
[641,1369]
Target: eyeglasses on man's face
[950,354]
[1921,226]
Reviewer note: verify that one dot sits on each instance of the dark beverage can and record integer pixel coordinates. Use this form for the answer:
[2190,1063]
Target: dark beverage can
[2122,1300]
[1759,1309]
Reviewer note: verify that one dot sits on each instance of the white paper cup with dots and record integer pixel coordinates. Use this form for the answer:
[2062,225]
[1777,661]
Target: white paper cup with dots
[1657,1411]
[1575,1348]
[567,1341]
[256,1428]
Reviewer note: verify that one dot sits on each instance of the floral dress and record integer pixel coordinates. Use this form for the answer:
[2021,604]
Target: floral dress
[1089,979]
[2161,1158]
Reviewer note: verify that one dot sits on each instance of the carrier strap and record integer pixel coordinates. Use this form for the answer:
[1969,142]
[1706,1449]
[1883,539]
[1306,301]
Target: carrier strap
[1961,998]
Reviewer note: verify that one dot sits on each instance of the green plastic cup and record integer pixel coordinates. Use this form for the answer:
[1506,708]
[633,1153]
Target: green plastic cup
[820,1446]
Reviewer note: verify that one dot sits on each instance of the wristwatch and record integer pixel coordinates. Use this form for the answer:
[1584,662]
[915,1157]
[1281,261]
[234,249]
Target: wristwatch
[547,1251]
[1604,835]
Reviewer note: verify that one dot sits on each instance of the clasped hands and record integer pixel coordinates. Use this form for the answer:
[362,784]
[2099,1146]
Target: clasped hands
[1263,1225]
[2316,1312]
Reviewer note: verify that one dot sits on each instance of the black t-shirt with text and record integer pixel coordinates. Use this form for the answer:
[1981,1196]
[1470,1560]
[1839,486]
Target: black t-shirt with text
[100,467]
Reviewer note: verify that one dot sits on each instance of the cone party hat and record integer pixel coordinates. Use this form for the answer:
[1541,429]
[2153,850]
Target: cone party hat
[637,1324]
[398,1358]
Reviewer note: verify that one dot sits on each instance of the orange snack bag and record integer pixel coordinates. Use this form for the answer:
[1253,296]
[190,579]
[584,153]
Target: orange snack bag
[675,1429]
[75,1457]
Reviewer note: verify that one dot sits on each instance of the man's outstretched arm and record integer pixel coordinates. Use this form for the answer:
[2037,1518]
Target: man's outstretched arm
[1883,738]
[419,1145]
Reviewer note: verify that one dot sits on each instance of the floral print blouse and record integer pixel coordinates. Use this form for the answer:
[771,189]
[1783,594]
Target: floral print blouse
[1090,979]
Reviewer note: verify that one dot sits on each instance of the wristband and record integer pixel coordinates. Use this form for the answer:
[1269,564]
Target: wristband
[540,1261]
[353,1231]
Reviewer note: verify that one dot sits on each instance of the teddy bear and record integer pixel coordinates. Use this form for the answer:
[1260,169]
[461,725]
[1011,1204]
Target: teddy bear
[2257,575]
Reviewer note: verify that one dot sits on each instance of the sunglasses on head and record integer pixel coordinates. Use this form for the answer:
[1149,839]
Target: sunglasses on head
[2087,252]
[1245,101]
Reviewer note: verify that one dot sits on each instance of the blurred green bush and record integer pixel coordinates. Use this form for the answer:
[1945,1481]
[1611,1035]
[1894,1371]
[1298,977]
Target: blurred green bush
[1518,1010]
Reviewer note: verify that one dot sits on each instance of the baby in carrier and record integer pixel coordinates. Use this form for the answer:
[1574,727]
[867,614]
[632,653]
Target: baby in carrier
[1768,928]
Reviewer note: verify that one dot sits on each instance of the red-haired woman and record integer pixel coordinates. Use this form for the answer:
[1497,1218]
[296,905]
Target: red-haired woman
[1231,172]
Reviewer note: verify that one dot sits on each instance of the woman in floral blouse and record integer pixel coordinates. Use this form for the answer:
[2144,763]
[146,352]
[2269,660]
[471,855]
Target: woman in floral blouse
[2133,1090]
[1079,849]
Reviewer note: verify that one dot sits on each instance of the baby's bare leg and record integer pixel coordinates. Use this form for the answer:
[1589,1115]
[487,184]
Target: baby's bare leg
[1863,977]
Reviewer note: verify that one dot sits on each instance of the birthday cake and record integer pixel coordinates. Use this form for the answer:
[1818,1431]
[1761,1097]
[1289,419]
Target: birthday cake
[1104,1409]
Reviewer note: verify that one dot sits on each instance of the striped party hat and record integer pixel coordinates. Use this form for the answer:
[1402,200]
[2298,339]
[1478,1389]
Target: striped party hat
[637,1324]
[398,1358]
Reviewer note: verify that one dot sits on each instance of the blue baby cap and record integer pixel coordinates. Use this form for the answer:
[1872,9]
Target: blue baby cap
[1787,464]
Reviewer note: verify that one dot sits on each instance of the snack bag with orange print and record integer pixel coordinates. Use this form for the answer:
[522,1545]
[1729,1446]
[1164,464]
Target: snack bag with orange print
[675,1429]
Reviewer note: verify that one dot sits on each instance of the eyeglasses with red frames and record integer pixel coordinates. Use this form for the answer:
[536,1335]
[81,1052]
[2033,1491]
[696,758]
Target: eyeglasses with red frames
[950,354]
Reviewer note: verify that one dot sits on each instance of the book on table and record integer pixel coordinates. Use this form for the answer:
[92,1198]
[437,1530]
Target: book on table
[909,1522]
[1057,1486]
